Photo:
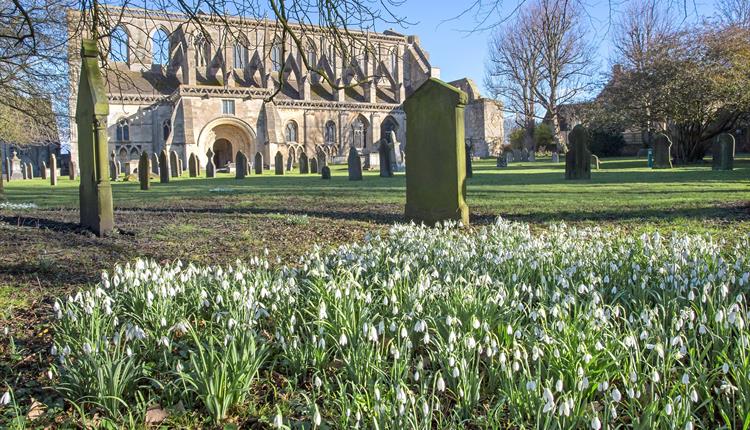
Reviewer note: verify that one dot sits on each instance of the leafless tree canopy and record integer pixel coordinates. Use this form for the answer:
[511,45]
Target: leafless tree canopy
[734,12]
[513,71]
[32,68]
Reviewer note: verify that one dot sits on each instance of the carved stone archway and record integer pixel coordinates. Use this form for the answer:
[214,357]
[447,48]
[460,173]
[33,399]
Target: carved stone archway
[239,135]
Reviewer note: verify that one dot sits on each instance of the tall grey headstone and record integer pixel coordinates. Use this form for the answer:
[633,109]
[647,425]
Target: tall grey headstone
[279,163]
[43,170]
[304,168]
[355,165]
[258,163]
[662,152]
[164,167]
[240,163]
[144,171]
[210,167]
[578,157]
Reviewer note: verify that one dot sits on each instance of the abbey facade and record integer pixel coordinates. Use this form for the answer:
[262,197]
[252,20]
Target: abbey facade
[202,87]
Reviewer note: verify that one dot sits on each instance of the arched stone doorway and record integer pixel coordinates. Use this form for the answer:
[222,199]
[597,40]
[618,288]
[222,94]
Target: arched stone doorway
[386,127]
[225,136]
[223,152]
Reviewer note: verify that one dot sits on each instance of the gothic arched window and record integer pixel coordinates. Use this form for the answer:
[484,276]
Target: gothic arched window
[122,133]
[276,57]
[166,128]
[160,47]
[202,51]
[394,61]
[240,56]
[359,133]
[312,58]
[291,131]
[330,133]
[118,45]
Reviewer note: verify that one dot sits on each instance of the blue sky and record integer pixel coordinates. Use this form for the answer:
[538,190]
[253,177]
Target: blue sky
[460,53]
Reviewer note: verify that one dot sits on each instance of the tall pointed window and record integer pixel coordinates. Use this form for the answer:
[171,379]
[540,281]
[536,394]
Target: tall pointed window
[330,133]
[291,131]
[118,45]
[312,58]
[160,47]
[122,132]
[166,129]
[276,56]
[240,56]
[394,61]
[359,133]
[202,52]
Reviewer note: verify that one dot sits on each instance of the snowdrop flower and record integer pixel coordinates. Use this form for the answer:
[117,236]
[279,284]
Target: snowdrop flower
[317,382]
[685,378]
[440,384]
[725,368]
[342,339]
[5,399]
[316,417]
[668,409]
[655,376]
[616,396]
[87,348]
[596,424]
[531,385]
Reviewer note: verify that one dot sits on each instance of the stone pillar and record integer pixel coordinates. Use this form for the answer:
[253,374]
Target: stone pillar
[92,109]
[52,170]
[436,179]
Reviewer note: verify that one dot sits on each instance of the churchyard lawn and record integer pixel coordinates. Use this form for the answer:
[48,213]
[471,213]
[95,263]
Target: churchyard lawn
[45,256]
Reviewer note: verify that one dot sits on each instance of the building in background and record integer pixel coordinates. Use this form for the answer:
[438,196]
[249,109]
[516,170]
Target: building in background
[174,87]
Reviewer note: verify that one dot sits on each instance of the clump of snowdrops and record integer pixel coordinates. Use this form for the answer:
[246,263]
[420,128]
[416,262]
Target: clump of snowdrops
[428,328]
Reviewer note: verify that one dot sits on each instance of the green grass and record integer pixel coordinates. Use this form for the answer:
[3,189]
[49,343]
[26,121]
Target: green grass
[11,300]
[624,191]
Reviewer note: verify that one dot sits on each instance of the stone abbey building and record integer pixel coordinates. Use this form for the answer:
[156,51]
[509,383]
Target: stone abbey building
[175,86]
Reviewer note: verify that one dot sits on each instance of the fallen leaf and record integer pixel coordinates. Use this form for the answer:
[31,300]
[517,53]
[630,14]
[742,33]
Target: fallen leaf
[156,415]
[36,410]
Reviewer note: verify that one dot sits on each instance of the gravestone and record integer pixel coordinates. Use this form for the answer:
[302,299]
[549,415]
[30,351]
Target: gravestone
[29,171]
[174,164]
[194,167]
[155,164]
[469,169]
[325,172]
[595,162]
[532,156]
[355,165]
[501,161]
[92,110]
[24,171]
[43,170]
[183,166]
[517,155]
[386,164]
[509,157]
[258,163]
[52,170]
[279,163]
[16,171]
[524,155]
[72,170]
[578,157]
[164,165]
[240,162]
[436,177]
[662,152]
[723,152]
[114,167]
[303,166]
[144,171]
[210,167]
[313,165]
[555,157]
